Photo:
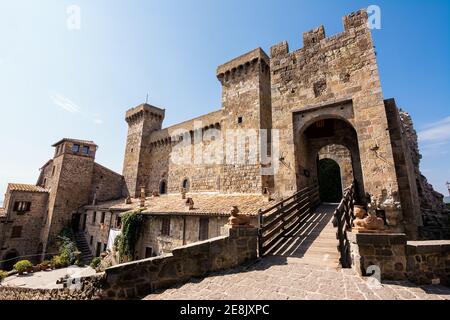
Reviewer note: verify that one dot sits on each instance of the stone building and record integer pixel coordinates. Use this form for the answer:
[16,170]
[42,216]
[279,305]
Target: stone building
[281,115]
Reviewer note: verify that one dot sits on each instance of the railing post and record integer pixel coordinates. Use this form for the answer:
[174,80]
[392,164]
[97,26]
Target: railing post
[260,235]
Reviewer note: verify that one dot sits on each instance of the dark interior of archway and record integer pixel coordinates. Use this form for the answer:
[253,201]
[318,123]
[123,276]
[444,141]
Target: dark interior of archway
[9,260]
[330,184]
[162,187]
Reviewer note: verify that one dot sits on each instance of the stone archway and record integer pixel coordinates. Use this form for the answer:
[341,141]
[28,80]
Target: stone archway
[330,137]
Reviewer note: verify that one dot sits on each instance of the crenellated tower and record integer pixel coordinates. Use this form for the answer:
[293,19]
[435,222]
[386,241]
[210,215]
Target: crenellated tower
[246,107]
[142,121]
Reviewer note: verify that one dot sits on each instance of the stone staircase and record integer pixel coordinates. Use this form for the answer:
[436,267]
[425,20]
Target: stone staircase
[314,241]
[82,245]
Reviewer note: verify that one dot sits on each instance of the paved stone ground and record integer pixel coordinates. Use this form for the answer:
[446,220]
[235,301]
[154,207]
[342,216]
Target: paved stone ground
[46,279]
[281,278]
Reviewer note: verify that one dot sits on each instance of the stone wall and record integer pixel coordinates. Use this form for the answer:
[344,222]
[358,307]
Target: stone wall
[106,184]
[424,262]
[435,215]
[428,261]
[184,230]
[29,242]
[343,158]
[91,289]
[130,280]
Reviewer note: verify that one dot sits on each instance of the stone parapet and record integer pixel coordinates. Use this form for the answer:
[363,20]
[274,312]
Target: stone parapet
[237,246]
[423,262]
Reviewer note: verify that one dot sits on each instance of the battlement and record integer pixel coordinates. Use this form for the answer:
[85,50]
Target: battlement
[242,64]
[145,110]
[351,22]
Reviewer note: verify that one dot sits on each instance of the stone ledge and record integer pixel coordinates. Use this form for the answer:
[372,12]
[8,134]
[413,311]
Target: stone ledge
[377,239]
[437,246]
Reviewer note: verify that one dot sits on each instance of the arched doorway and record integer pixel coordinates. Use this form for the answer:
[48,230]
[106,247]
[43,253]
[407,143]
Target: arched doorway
[328,137]
[9,260]
[330,183]
[163,187]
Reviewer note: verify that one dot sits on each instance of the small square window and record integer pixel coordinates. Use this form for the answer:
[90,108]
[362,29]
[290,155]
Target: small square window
[76,148]
[240,119]
[16,232]
[85,150]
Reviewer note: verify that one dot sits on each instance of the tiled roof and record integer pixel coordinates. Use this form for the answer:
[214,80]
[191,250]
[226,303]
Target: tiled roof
[87,142]
[204,204]
[25,187]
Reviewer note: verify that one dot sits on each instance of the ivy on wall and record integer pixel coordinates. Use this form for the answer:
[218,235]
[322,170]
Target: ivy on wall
[125,243]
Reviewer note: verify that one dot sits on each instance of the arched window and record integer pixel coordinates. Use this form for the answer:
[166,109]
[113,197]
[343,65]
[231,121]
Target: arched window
[163,187]
[185,184]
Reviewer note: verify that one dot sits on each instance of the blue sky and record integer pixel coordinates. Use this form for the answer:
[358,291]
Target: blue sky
[57,83]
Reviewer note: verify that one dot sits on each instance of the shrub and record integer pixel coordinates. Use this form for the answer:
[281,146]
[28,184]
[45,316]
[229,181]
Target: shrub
[23,266]
[3,275]
[59,262]
[95,262]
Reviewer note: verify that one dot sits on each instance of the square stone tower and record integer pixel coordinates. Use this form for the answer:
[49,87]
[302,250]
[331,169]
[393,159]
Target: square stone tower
[246,108]
[69,185]
[142,121]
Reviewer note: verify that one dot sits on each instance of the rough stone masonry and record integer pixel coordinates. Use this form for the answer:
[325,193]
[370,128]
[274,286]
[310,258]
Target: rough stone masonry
[322,99]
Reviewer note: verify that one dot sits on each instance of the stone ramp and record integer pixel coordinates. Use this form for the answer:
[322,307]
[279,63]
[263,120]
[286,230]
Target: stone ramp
[312,242]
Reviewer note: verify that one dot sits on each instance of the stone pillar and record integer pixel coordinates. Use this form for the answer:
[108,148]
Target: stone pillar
[387,251]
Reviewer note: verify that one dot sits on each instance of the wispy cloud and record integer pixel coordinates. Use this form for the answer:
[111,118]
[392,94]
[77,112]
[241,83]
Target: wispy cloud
[69,106]
[436,132]
[65,103]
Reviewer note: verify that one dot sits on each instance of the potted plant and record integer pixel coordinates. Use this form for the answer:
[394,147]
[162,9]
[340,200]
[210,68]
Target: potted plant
[23,266]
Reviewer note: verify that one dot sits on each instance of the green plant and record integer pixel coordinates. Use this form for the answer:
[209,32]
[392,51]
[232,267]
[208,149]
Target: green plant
[68,252]
[3,275]
[95,262]
[23,265]
[59,262]
[131,227]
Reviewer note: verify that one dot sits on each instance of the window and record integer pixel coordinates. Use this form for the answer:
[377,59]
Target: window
[240,119]
[165,227]
[185,184]
[102,219]
[85,150]
[76,148]
[22,206]
[91,241]
[16,232]
[94,217]
[203,229]
[148,252]
[105,246]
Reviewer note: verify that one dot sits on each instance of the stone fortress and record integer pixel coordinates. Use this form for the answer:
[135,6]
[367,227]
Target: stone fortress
[322,101]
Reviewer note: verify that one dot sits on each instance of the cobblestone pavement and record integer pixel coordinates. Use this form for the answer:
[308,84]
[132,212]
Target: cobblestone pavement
[278,278]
